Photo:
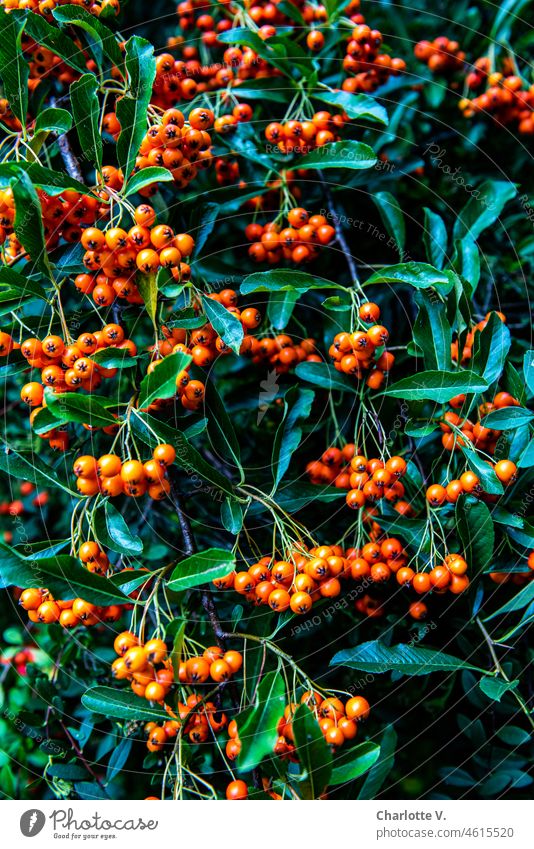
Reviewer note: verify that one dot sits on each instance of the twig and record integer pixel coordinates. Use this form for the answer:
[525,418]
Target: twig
[71,163]
[80,755]
[339,230]
[189,548]
[207,601]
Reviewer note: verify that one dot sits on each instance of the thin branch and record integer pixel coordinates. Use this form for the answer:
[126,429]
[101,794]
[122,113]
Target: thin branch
[339,230]
[70,161]
[79,754]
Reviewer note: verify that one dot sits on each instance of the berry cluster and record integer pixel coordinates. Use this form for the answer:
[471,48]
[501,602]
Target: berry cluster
[198,718]
[42,607]
[94,558]
[337,721]
[299,242]
[282,352]
[214,665]
[367,480]
[355,352]
[507,98]
[145,247]
[181,147]
[482,437]
[145,665]
[19,658]
[111,476]
[437,495]
[17,507]
[203,344]
[293,583]
[63,216]
[517,578]
[367,66]
[66,367]
[46,7]
[302,136]
[442,55]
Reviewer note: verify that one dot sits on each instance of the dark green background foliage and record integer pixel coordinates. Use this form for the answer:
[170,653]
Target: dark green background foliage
[453,194]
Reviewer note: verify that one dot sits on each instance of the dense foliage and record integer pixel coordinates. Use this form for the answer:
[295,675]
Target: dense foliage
[266,358]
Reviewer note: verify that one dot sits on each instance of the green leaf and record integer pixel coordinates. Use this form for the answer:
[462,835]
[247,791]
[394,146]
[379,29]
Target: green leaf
[145,177]
[53,120]
[352,763]
[432,332]
[258,725]
[67,772]
[177,646]
[221,433]
[121,704]
[357,106]
[528,369]
[232,516]
[474,526]
[119,756]
[132,107]
[483,208]
[435,239]
[201,568]
[495,688]
[375,656]
[314,753]
[439,386]
[245,36]
[206,223]
[187,456]
[526,459]
[411,530]
[491,349]
[326,376]
[380,771]
[514,736]
[114,358]
[148,288]
[295,495]
[507,418]
[99,33]
[280,308]
[52,182]
[520,600]
[284,280]
[86,409]
[271,89]
[513,382]
[161,383]
[341,154]
[33,470]
[86,109]
[466,260]
[12,280]
[392,217]
[297,407]
[28,219]
[14,68]
[291,11]
[119,533]
[225,323]
[488,479]
[62,575]
[416,274]
[53,39]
